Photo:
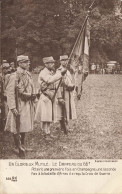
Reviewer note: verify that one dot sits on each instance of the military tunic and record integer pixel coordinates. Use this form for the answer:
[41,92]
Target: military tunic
[68,97]
[46,110]
[26,106]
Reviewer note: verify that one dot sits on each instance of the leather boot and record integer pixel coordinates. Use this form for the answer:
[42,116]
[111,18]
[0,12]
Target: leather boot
[63,127]
[23,143]
[16,148]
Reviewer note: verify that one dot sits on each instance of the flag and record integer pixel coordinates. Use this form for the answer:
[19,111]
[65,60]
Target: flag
[86,48]
[80,53]
[79,57]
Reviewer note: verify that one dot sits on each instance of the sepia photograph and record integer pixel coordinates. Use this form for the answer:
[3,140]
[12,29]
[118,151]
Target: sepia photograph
[60,81]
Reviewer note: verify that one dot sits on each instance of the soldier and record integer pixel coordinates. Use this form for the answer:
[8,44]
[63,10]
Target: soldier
[25,101]
[6,70]
[67,93]
[13,69]
[46,107]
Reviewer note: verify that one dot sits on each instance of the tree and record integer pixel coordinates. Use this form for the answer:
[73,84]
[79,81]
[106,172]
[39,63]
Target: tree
[44,28]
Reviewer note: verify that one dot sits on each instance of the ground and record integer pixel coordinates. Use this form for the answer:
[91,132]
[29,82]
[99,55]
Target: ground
[97,133]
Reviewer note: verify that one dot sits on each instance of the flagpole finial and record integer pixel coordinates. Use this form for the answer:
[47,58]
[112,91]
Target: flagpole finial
[91,7]
[89,12]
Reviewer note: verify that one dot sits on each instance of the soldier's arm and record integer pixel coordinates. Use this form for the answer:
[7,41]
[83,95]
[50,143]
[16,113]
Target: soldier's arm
[68,81]
[22,91]
[10,92]
[51,78]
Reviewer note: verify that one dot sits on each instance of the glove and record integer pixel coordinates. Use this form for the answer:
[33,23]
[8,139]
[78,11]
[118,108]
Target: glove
[38,95]
[85,75]
[15,112]
[5,98]
[61,101]
[70,88]
[79,71]
[71,71]
[25,96]
[63,71]
[33,97]
[78,96]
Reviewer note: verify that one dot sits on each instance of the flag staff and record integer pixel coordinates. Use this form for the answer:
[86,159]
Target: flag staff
[16,50]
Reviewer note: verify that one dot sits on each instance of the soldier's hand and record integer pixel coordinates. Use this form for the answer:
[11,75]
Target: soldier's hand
[33,96]
[15,112]
[38,95]
[63,71]
[70,88]
[85,75]
[79,71]
[61,101]
[79,96]
[5,98]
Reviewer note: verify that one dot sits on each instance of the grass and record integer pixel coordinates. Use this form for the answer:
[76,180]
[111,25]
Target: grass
[97,133]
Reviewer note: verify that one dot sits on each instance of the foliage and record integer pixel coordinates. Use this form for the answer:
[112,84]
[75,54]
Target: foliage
[42,28]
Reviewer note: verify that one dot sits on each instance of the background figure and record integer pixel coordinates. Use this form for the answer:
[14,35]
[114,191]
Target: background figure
[25,100]
[46,111]
[118,68]
[93,68]
[79,75]
[13,69]
[6,70]
[97,68]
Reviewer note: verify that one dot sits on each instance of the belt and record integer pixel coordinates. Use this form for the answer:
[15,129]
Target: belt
[47,96]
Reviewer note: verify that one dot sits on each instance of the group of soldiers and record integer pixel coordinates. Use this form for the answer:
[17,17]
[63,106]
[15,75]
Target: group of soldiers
[53,102]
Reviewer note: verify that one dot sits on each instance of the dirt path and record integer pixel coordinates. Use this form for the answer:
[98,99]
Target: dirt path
[97,132]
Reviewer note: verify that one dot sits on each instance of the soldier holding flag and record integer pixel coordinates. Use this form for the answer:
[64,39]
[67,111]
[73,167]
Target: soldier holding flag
[66,96]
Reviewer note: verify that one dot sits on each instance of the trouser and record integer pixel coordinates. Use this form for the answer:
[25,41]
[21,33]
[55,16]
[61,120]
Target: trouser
[63,125]
[46,127]
[16,140]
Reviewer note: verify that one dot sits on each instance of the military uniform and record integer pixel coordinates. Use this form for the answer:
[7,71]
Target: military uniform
[22,81]
[68,97]
[80,74]
[46,111]
[4,79]
[68,88]
[26,106]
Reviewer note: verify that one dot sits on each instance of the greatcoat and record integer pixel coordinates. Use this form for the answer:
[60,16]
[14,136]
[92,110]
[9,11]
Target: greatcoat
[68,97]
[6,80]
[46,110]
[26,106]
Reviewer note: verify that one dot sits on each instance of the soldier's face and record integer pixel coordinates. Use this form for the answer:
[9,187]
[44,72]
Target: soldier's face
[12,65]
[51,66]
[5,71]
[64,63]
[25,65]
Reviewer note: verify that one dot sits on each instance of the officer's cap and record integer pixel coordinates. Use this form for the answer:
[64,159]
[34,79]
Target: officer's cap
[4,61]
[5,65]
[64,58]
[22,58]
[12,63]
[48,60]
